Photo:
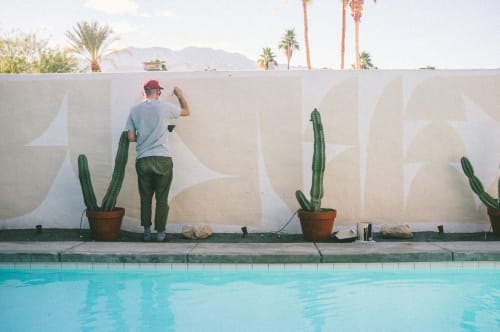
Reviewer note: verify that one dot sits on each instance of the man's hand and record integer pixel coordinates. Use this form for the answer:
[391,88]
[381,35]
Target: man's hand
[131,136]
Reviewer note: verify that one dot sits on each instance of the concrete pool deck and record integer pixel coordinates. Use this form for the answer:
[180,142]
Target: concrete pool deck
[247,253]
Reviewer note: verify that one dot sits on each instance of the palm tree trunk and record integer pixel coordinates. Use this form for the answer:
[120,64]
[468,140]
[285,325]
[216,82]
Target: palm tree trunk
[288,56]
[342,38]
[356,44]
[95,67]
[306,34]
[356,12]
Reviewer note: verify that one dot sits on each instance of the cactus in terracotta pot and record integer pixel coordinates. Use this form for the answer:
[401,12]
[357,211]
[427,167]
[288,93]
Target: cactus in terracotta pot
[318,168]
[477,186]
[109,200]
[316,222]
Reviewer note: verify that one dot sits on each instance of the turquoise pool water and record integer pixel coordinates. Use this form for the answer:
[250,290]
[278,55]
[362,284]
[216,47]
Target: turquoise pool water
[102,299]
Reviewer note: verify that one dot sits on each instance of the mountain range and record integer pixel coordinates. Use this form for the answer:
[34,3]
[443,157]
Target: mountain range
[187,59]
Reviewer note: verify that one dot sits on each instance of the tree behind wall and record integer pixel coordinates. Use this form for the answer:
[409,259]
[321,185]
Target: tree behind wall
[267,60]
[305,3]
[356,13]
[342,37]
[306,32]
[26,53]
[288,43]
[91,40]
[366,61]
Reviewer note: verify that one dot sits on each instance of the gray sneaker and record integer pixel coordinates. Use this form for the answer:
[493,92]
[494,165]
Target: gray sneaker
[160,236]
[147,234]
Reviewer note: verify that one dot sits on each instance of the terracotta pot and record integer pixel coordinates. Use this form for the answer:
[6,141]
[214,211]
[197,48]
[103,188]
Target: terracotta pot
[105,225]
[317,226]
[495,220]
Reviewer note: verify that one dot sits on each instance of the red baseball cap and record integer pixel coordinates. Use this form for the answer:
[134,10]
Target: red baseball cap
[152,85]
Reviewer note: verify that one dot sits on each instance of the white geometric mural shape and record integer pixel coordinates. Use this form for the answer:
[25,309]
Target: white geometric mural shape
[57,132]
[410,82]
[274,210]
[58,208]
[323,85]
[188,170]
[371,88]
[410,172]
[411,129]
[479,130]
[333,150]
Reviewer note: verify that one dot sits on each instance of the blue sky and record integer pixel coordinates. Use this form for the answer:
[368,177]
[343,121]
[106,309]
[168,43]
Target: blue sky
[398,34]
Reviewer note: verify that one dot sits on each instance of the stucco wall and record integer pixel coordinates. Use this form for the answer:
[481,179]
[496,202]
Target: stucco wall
[394,139]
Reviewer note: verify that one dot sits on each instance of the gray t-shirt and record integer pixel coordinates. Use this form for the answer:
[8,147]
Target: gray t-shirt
[150,119]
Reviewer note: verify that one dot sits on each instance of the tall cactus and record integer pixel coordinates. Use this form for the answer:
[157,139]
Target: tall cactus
[318,168]
[86,184]
[477,186]
[109,200]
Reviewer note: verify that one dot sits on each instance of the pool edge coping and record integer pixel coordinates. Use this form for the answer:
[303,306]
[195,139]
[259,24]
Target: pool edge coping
[247,253]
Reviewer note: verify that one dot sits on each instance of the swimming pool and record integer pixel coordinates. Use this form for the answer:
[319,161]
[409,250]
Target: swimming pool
[265,298]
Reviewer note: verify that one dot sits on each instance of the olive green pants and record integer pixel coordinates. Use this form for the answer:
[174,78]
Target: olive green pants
[154,175]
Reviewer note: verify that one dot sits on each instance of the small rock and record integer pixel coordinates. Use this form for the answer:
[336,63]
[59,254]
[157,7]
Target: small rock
[396,232]
[202,231]
[187,232]
[196,232]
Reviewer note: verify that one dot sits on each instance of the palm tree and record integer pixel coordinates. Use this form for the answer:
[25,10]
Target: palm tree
[266,60]
[306,31]
[288,44]
[356,13]
[91,40]
[366,61]
[342,39]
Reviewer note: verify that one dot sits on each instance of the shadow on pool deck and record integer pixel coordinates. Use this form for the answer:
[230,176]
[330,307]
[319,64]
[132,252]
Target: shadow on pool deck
[270,237]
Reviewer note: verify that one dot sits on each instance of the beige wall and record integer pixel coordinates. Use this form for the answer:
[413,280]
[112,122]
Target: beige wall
[394,139]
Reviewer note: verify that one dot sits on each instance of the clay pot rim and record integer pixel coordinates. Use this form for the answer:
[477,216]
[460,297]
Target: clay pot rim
[323,211]
[116,212]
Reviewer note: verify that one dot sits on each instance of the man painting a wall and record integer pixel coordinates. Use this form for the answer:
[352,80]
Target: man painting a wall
[147,125]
